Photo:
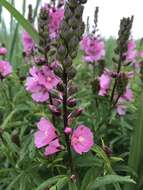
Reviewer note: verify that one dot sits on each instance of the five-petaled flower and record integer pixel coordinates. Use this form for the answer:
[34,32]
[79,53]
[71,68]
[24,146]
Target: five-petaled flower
[82,139]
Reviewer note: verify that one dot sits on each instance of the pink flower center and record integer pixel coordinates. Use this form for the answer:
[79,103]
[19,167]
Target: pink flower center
[49,79]
[81,139]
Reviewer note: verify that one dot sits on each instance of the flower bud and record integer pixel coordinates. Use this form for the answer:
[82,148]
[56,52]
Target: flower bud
[52,51]
[72,90]
[67,62]
[58,71]
[107,150]
[3,51]
[71,102]
[56,101]
[39,60]
[60,87]
[55,110]
[62,52]
[73,22]
[71,73]
[74,54]
[68,13]
[76,113]
[72,3]
[73,43]
[79,11]
[68,130]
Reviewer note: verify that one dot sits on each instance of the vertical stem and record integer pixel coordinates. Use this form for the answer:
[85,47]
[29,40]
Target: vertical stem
[50,96]
[51,102]
[116,80]
[65,120]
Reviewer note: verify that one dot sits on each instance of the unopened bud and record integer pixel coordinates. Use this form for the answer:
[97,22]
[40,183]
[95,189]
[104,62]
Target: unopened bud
[3,51]
[79,11]
[73,22]
[71,73]
[107,150]
[72,90]
[73,43]
[68,130]
[60,87]
[62,52]
[58,71]
[76,113]
[67,62]
[55,110]
[71,102]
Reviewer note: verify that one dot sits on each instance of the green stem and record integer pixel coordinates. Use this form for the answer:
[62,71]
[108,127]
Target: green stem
[65,120]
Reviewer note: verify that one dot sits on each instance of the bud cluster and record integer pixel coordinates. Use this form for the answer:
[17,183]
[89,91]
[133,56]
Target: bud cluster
[124,34]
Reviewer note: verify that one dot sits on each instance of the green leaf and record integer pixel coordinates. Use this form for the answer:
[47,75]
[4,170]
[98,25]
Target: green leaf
[49,182]
[90,177]
[136,154]
[110,179]
[72,186]
[60,184]
[22,21]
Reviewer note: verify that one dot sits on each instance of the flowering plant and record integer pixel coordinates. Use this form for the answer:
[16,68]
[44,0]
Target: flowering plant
[66,124]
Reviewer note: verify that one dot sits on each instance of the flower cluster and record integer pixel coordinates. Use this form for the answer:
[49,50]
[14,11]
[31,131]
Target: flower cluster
[47,136]
[5,67]
[51,81]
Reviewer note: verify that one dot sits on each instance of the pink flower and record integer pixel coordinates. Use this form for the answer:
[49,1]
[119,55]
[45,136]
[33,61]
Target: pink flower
[3,51]
[40,82]
[47,78]
[28,43]
[104,82]
[56,17]
[5,68]
[82,139]
[131,53]
[53,148]
[121,105]
[47,136]
[93,48]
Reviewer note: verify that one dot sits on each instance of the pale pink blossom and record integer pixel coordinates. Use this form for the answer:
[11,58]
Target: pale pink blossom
[104,82]
[28,43]
[47,137]
[56,17]
[3,51]
[93,48]
[131,53]
[121,105]
[53,147]
[82,139]
[40,82]
[5,68]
